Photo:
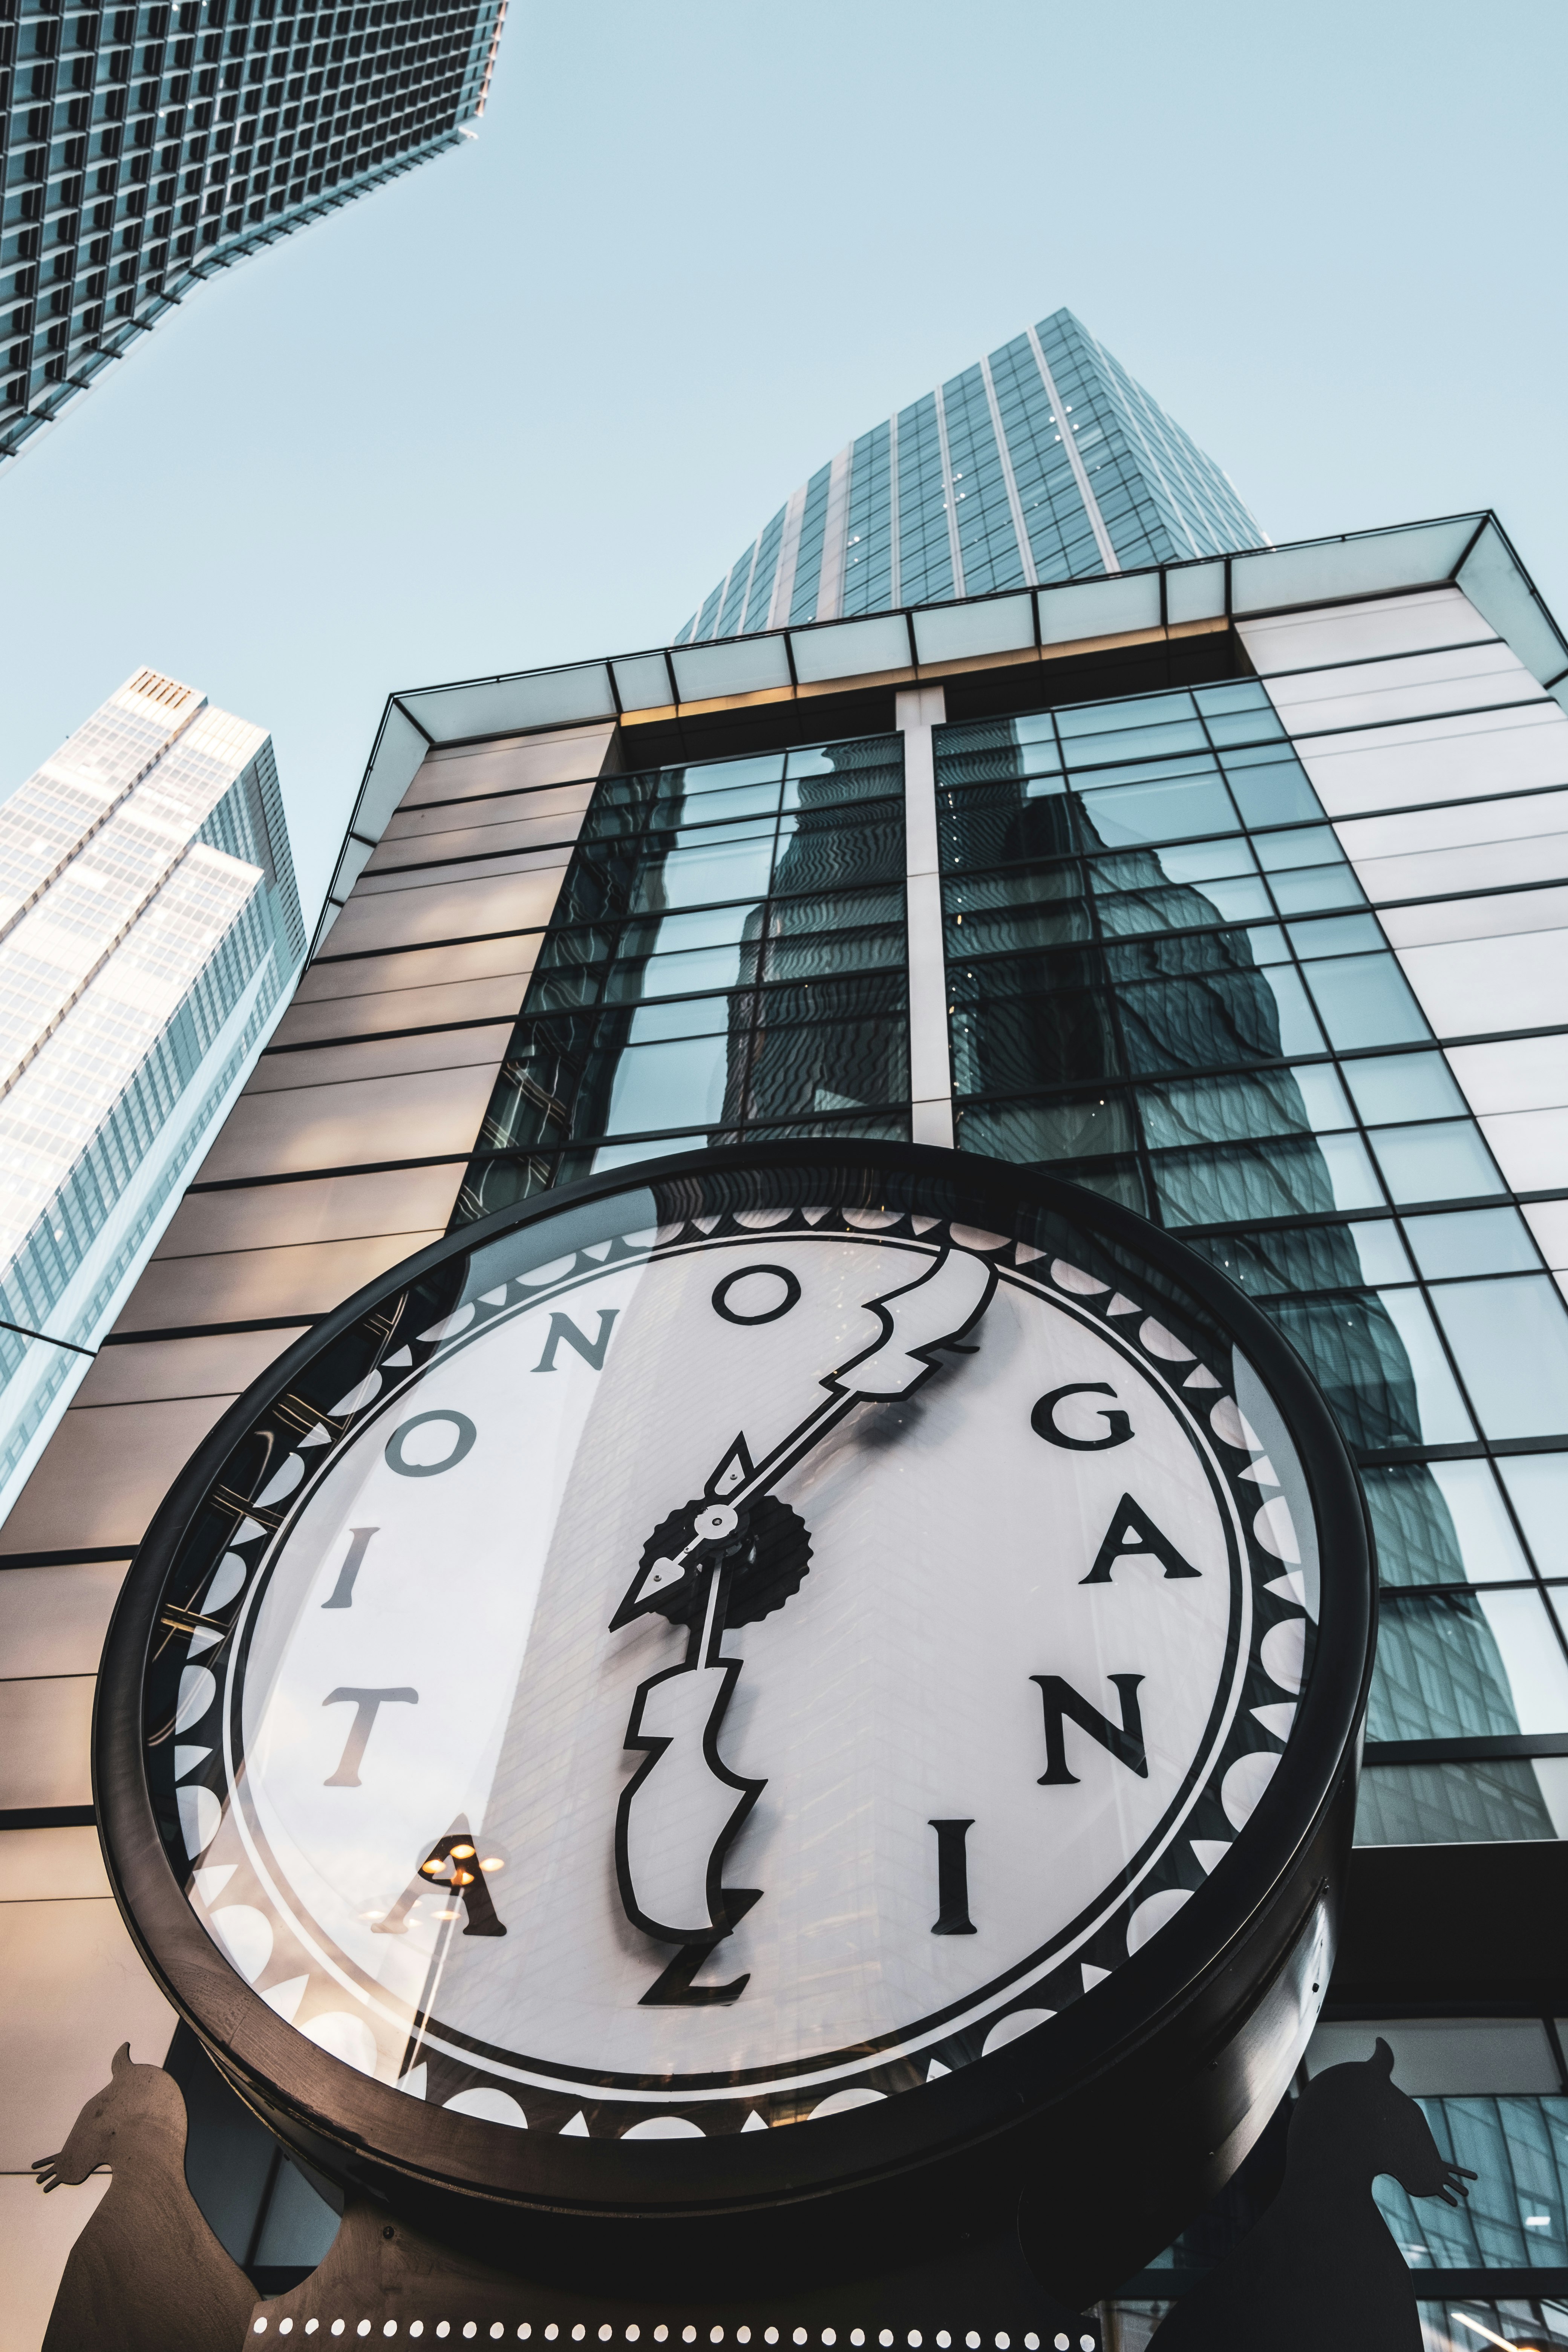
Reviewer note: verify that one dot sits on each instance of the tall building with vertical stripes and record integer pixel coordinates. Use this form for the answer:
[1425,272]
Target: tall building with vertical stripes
[144,148]
[149,927]
[1044,461]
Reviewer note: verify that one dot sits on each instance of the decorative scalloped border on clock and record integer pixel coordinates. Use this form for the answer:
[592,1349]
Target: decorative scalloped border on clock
[298,1980]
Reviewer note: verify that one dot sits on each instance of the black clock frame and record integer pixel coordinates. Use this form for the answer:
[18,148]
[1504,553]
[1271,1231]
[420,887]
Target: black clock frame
[1112,2132]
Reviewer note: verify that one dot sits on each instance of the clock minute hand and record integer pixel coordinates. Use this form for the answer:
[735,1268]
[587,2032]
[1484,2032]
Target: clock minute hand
[917,1321]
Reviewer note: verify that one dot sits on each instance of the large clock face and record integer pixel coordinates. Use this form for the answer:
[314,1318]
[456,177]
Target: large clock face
[733,1652]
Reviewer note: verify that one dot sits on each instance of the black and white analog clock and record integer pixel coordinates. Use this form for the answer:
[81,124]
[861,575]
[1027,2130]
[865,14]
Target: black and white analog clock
[844,1663]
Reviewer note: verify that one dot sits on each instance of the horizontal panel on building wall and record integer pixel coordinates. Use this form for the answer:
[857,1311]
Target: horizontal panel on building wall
[450,910]
[527,763]
[51,1865]
[457,1001]
[417,968]
[75,1987]
[306,1278]
[1454,824]
[447,857]
[1099,608]
[45,1739]
[1496,915]
[1495,585]
[1419,686]
[998,624]
[1195,592]
[1530,1148]
[851,648]
[737,665]
[480,823]
[544,857]
[53,1620]
[102,1475]
[218,1366]
[1366,632]
[559,698]
[1381,563]
[1514,1073]
[1547,1221]
[317,1209]
[1452,2057]
[365,1121]
[1483,865]
[1439,760]
[1468,987]
[379,1057]
[643,682]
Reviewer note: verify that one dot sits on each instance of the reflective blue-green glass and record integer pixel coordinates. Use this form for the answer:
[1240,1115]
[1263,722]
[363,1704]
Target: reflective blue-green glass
[1515,2216]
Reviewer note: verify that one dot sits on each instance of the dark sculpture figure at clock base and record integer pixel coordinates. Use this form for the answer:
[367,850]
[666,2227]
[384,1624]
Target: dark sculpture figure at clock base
[1320,2267]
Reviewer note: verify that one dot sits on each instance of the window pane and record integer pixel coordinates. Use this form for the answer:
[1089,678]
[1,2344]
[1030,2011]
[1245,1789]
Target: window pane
[1287,1176]
[680,1085]
[1444,1162]
[1304,845]
[1449,1804]
[1441,1523]
[1379,1363]
[691,1016]
[1515,2216]
[695,876]
[1336,935]
[674,975]
[1471,1241]
[1260,1102]
[1159,812]
[1538,1488]
[1510,1340]
[1270,792]
[718,775]
[1404,1086]
[1307,886]
[1467,1665]
[1365,1001]
[1310,1257]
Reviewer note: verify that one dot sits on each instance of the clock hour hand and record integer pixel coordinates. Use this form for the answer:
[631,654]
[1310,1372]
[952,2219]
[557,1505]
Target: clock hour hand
[917,1321]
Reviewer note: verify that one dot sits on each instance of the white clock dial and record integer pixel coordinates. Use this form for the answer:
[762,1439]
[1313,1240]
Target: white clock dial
[735,1672]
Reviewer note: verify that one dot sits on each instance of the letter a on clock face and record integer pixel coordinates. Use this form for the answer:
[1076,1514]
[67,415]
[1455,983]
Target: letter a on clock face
[741,1666]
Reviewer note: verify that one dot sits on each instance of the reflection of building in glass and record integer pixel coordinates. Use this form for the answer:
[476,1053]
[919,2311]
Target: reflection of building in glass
[1045,461]
[727,954]
[1074,964]
[148,926]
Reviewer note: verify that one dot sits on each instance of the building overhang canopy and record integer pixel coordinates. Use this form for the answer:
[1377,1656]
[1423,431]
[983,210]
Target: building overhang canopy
[930,642]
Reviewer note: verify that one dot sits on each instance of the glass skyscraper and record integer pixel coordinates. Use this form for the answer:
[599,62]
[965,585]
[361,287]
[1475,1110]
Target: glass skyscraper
[1234,886]
[148,925]
[1045,461]
[144,147]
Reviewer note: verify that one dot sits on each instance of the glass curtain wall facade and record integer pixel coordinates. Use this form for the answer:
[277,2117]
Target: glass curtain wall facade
[149,927]
[1045,461]
[726,959]
[143,147]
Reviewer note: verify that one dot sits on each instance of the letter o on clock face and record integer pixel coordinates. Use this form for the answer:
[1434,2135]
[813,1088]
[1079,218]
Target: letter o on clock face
[823,1651]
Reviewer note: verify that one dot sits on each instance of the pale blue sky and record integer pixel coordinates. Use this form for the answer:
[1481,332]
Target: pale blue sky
[524,405]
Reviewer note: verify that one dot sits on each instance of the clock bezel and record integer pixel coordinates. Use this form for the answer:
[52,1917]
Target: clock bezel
[367,2133]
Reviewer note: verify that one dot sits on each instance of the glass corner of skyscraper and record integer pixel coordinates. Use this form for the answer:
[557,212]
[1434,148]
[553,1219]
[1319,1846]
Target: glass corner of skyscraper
[143,147]
[1044,461]
[150,927]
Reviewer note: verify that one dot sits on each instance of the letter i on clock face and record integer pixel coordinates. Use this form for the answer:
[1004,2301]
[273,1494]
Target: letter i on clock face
[744,1667]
